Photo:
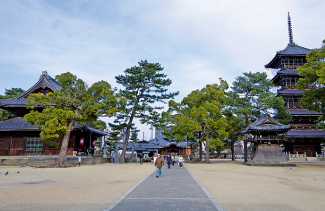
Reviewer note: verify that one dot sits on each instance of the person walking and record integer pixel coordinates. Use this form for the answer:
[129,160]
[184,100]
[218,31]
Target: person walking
[169,160]
[173,160]
[180,161]
[141,158]
[159,163]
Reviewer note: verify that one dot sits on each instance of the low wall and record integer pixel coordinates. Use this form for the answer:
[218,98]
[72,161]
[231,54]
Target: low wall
[46,160]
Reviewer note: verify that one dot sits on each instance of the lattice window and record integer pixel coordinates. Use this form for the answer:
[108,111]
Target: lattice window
[34,146]
[2,144]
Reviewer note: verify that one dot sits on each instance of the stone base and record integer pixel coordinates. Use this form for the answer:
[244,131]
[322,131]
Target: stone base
[272,164]
[46,160]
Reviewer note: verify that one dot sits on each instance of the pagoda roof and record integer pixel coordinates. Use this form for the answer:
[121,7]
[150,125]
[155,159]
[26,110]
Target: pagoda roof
[302,112]
[290,92]
[306,133]
[284,72]
[292,49]
[266,124]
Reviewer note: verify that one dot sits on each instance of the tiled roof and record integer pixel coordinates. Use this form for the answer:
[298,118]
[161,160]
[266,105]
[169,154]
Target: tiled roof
[140,148]
[306,133]
[146,146]
[20,124]
[16,124]
[88,128]
[45,81]
[165,143]
[303,112]
[13,102]
[266,124]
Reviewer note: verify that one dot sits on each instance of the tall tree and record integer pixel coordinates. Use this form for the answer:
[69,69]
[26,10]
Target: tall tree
[144,85]
[74,102]
[115,134]
[202,112]
[313,82]
[9,93]
[134,136]
[233,128]
[250,97]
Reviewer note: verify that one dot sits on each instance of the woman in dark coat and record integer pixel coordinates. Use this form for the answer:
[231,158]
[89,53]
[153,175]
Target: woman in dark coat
[169,160]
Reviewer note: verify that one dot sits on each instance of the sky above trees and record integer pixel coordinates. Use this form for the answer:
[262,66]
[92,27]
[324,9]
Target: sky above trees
[195,41]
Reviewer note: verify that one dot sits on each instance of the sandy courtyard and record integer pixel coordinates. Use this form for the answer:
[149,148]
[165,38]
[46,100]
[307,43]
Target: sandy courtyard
[89,187]
[240,187]
[94,187]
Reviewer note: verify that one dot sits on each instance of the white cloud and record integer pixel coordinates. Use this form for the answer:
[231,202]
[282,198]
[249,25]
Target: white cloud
[196,41]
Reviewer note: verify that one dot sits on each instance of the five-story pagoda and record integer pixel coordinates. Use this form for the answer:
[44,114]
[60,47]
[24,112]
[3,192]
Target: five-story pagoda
[305,137]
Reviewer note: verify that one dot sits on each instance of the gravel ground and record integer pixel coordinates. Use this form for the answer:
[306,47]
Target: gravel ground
[89,187]
[95,187]
[240,187]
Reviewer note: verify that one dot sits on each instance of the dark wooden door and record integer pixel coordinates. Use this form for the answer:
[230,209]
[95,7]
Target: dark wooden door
[16,146]
[4,147]
[308,151]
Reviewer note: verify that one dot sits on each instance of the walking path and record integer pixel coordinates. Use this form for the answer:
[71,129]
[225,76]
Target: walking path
[176,189]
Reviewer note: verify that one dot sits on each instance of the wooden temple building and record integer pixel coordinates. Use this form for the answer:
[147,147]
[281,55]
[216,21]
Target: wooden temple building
[19,138]
[267,135]
[305,137]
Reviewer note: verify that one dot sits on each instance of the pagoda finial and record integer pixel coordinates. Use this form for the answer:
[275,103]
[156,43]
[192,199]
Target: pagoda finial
[290,31]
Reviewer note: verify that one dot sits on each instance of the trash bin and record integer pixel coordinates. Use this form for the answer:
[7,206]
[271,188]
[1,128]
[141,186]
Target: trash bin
[138,160]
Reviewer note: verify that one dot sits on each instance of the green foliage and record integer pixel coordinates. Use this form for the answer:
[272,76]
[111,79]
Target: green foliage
[282,115]
[74,102]
[312,82]
[114,136]
[97,124]
[134,136]
[144,85]
[13,92]
[201,111]
[9,93]
[251,97]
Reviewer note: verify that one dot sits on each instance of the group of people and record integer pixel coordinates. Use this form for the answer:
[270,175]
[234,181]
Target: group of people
[159,162]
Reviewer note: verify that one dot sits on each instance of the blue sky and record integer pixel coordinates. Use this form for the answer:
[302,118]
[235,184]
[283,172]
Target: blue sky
[195,41]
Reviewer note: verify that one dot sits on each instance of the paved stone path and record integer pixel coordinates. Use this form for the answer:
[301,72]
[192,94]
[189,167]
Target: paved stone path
[176,189]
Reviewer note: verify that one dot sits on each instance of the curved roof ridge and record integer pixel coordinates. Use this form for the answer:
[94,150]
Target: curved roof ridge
[44,81]
[267,123]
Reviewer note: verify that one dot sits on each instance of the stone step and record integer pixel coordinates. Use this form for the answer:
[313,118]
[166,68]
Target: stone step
[297,159]
[312,159]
